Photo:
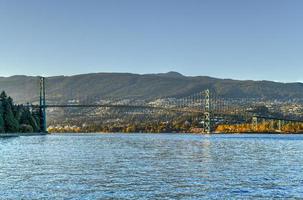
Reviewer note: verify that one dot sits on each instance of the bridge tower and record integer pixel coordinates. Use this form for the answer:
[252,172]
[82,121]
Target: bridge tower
[42,106]
[255,123]
[207,121]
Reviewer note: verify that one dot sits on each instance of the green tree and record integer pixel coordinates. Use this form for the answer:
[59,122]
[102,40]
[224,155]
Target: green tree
[27,118]
[11,116]
[2,125]
[11,124]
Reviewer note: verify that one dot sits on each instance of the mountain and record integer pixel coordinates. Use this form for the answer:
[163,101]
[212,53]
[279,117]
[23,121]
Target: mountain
[148,86]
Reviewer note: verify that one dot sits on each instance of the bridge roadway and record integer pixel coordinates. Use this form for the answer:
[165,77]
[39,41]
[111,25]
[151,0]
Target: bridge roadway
[278,119]
[121,106]
[184,110]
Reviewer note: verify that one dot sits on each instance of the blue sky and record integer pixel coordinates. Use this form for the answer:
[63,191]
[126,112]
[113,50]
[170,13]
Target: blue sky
[240,39]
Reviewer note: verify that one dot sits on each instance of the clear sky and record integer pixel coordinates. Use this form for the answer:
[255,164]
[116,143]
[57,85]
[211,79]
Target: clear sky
[240,39]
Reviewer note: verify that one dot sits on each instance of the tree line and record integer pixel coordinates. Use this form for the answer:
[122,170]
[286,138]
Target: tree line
[264,127]
[17,118]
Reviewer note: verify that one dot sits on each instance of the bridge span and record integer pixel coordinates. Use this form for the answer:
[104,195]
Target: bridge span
[43,106]
[203,104]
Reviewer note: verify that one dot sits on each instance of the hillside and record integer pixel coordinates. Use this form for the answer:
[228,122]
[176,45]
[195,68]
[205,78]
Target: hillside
[149,86]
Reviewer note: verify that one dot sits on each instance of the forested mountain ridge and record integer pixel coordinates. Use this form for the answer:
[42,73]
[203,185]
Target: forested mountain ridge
[148,86]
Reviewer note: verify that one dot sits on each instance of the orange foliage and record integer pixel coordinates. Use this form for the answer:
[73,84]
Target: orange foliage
[265,127]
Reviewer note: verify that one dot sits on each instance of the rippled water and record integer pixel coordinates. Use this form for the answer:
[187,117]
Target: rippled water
[151,166]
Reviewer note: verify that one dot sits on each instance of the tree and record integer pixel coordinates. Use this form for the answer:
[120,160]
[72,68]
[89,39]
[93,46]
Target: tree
[11,116]
[11,124]
[2,125]
[3,96]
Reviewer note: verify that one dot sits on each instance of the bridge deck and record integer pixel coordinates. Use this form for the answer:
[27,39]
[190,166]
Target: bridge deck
[281,119]
[122,106]
[184,110]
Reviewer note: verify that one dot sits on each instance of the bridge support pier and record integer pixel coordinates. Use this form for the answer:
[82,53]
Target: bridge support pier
[42,106]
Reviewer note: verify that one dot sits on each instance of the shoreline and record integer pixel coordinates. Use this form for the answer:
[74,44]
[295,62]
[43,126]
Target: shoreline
[214,133]
[8,135]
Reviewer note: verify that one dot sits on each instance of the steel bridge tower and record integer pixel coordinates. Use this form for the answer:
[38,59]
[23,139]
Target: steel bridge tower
[207,120]
[42,106]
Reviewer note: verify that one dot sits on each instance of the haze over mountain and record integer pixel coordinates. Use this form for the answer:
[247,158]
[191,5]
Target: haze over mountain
[148,86]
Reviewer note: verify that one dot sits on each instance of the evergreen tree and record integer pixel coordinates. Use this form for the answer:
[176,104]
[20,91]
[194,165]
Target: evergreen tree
[2,125]
[25,115]
[15,118]
[28,119]
[18,112]
[11,124]
[36,118]
[3,96]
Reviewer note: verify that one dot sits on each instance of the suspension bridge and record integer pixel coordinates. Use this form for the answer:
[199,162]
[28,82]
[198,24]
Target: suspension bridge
[211,109]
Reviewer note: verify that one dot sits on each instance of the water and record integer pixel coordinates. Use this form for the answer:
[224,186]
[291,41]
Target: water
[151,166]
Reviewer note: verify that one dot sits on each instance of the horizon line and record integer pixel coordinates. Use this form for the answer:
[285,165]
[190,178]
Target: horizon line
[150,73]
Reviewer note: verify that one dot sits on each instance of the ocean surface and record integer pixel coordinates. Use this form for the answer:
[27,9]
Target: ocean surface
[151,166]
